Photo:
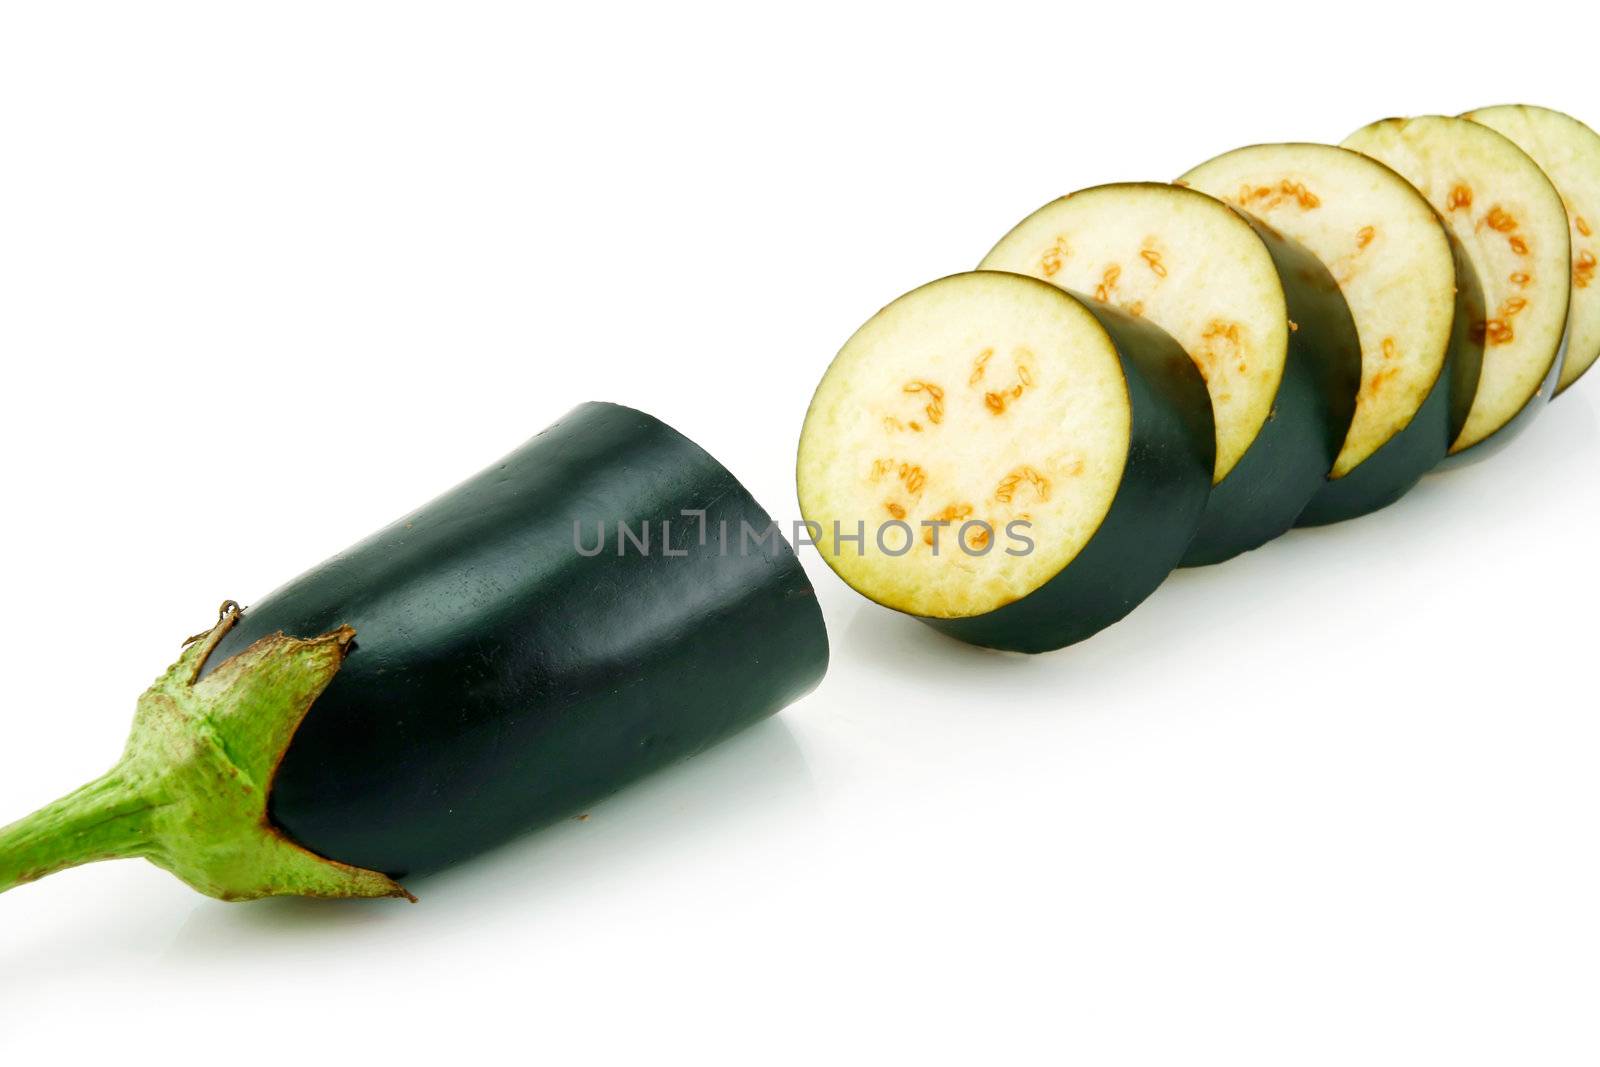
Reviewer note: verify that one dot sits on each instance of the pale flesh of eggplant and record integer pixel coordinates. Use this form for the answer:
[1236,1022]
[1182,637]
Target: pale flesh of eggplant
[1008,463]
[1569,153]
[1510,220]
[1413,296]
[1260,316]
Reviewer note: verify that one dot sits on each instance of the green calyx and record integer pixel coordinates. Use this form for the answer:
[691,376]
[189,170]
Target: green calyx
[190,792]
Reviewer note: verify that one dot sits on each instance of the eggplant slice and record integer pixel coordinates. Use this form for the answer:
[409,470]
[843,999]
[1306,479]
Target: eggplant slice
[1413,296]
[1569,154]
[1261,317]
[1007,463]
[1511,222]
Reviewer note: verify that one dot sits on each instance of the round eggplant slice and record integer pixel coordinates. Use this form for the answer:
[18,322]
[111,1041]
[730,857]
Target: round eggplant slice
[1409,288]
[581,613]
[1016,466]
[1569,154]
[1510,220]
[1260,316]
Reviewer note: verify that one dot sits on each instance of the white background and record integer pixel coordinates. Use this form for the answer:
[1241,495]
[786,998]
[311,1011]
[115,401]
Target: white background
[271,276]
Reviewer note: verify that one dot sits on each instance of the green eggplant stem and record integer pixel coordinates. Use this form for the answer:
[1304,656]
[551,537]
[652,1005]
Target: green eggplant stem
[105,820]
[190,791]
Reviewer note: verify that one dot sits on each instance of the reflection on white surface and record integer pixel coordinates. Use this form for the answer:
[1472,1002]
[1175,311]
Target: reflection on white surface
[730,797]
[752,781]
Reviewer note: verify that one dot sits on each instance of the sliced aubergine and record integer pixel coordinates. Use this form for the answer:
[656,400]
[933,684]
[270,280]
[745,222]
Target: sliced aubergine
[1015,466]
[1411,292]
[1509,219]
[1262,319]
[604,601]
[1569,154]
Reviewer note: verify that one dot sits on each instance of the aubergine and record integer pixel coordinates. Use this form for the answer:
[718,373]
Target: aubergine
[1260,316]
[1510,220]
[604,601]
[1014,465]
[1569,154]
[1410,289]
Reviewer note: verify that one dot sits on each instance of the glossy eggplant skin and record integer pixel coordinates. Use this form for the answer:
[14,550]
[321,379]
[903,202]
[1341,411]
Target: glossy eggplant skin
[1153,517]
[501,680]
[1288,463]
[1395,468]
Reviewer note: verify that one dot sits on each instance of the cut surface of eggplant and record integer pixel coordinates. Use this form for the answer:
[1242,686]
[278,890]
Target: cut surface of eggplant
[1510,220]
[1016,468]
[1569,153]
[1407,290]
[1261,317]
[517,657]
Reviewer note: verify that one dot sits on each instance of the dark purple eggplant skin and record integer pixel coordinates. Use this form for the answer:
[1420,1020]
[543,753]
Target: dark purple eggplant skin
[501,680]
